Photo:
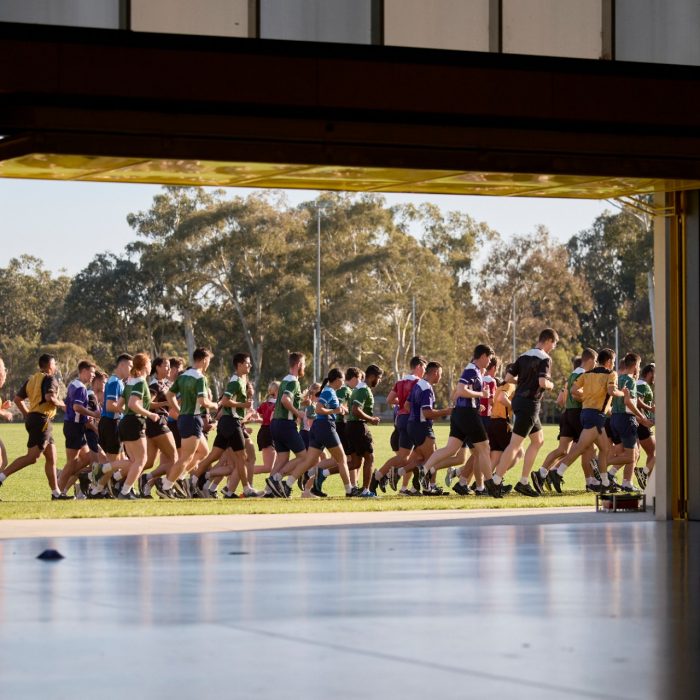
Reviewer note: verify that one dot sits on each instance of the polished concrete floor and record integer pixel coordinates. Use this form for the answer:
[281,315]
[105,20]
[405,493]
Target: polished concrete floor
[597,609]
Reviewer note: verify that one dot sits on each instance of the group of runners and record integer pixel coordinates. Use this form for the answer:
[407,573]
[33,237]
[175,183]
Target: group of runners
[144,429]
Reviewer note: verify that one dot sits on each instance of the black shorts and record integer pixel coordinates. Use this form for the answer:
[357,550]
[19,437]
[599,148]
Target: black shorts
[419,432]
[264,437]
[609,432]
[526,416]
[625,429]
[38,427]
[570,424]
[405,441]
[108,435]
[190,426]
[394,439]
[323,435]
[466,425]
[154,430]
[132,427]
[92,440]
[172,424]
[285,436]
[359,438]
[74,433]
[644,433]
[229,433]
[341,428]
[304,435]
[499,433]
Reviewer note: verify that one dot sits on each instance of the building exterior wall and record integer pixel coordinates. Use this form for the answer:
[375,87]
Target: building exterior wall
[204,17]
[657,31]
[103,14]
[345,21]
[439,24]
[553,27]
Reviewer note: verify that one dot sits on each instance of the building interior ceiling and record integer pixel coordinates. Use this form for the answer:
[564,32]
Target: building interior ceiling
[47,166]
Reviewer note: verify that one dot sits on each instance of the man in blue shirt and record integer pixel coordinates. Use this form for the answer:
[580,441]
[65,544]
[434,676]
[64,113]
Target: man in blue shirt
[108,427]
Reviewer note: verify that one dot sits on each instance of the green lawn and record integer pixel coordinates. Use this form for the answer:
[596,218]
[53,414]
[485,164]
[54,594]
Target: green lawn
[26,495]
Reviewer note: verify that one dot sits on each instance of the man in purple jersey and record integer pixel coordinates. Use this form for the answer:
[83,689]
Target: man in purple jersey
[466,425]
[74,425]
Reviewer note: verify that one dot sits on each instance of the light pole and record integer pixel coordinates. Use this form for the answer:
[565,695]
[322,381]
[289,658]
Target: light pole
[317,334]
[413,325]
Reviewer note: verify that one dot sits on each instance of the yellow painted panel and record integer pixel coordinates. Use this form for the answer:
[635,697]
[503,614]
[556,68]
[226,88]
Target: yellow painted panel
[354,179]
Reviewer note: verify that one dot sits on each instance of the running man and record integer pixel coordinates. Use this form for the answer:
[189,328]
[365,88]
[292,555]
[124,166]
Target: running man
[40,391]
[466,425]
[5,413]
[75,425]
[595,390]
[626,419]
[187,396]
[359,436]
[285,436]
[108,427]
[647,441]
[533,372]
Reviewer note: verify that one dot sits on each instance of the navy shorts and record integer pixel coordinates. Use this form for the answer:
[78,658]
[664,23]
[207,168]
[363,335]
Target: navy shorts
[172,424]
[342,429]
[590,418]
[305,435]
[644,433]
[419,432]
[74,434]
[285,436]
[624,427]
[324,435]
[405,441]
[264,437]
[190,426]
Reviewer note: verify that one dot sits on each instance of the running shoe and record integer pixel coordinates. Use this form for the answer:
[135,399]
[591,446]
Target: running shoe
[373,485]
[627,489]
[483,492]
[368,494]
[451,474]
[354,492]
[318,492]
[613,480]
[394,478]
[593,488]
[61,497]
[425,481]
[555,479]
[526,490]
[506,488]
[461,489]
[275,487]
[406,492]
[642,477]
[538,481]
[595,467]
[318,481]
[286,489]
[131,496]
[494,490]
[383,482]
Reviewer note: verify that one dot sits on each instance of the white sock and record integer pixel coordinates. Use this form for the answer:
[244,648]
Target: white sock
[627,483]
[523,480]
[463,481]
[348,488]
[291,481]
[604,478]
[497,479]
[2,477]
[644,469]
[479,488]
[106,467]
[55,492]
[326,472]
[167,484]
[400,471]
[277,477]
[118,476]
[562,468]
[543,472]
[612,470]
[147,489]
[125,490]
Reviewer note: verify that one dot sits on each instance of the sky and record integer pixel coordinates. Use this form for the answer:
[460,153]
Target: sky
[67,223]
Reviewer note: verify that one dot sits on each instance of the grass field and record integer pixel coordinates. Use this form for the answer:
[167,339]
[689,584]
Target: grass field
[26,494]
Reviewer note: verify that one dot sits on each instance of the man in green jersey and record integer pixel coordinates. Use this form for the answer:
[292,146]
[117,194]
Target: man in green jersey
[359,437]
[625,419]
[647,441]
[283,427]
[352,377]
[187,396]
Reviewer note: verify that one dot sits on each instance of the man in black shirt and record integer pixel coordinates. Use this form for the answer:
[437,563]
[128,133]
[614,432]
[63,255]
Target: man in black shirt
[533,371]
